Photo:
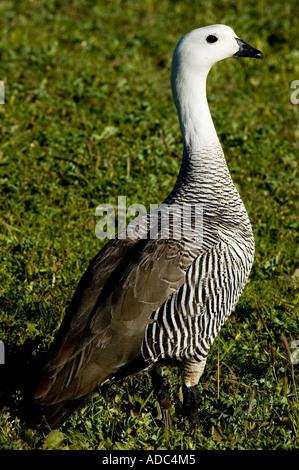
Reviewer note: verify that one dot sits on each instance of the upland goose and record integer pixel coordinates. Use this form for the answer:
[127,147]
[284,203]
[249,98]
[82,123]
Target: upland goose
[161,295]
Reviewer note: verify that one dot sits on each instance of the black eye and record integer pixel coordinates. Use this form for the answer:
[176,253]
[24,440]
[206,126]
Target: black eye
[211,39]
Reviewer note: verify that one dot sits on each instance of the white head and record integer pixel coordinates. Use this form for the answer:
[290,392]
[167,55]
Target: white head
[193,57]
[203,47]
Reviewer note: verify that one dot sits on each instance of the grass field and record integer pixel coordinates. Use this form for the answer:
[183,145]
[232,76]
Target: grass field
[89,117]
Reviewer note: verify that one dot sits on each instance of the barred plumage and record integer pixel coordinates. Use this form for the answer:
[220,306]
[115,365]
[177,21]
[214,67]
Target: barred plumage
[161,295]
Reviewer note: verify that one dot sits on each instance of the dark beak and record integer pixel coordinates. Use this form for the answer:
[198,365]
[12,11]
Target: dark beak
[245,50]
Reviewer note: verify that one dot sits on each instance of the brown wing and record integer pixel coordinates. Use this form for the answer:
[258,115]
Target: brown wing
[108,315]
[81,308]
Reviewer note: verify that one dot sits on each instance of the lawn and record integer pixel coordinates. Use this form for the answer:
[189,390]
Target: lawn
[88,117]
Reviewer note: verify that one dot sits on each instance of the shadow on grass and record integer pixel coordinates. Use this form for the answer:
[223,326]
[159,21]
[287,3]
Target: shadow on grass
[19,377]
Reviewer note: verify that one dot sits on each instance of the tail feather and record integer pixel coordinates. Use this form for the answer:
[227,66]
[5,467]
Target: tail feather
[55,415]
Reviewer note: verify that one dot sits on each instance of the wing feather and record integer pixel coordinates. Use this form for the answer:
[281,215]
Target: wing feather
[108,315]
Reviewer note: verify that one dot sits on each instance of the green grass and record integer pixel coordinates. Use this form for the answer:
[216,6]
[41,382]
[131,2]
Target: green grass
[89,117]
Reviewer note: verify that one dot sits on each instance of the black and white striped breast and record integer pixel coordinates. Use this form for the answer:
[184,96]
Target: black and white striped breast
[185,326]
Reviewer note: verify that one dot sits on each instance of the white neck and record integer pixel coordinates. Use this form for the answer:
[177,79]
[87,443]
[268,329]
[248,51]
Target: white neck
[189,94]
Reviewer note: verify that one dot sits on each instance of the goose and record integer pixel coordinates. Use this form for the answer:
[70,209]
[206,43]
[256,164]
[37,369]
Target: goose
[146,302]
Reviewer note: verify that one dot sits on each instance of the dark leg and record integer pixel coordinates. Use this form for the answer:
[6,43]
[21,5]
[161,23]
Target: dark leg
[192,371]
[161,389]
[190,403]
